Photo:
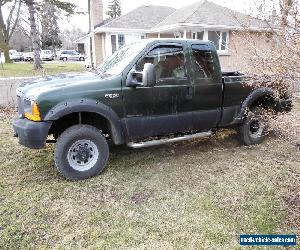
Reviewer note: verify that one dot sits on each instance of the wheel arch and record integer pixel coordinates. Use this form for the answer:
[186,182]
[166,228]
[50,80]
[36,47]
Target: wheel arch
[101,112]
[265,97]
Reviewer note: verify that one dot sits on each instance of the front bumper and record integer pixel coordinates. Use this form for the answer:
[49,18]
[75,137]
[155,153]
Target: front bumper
[31,134]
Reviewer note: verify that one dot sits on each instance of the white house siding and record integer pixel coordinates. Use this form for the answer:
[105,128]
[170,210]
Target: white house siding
[129,38]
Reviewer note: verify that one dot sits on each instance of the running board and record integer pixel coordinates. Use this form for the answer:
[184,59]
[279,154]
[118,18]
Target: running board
[167,140]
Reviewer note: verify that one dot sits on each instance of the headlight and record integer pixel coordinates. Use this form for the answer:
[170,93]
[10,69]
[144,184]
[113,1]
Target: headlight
[31,111]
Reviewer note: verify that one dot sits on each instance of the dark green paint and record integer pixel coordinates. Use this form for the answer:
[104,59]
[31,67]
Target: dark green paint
[200,102]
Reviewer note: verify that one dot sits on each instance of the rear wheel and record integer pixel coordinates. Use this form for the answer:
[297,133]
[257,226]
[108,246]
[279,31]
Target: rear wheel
[81,152]
[253,129]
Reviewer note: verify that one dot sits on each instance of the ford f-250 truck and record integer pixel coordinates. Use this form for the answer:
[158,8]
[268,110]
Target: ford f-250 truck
[147,93]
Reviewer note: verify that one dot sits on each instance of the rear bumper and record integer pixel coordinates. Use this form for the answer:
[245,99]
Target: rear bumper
[31,134]
[285,105]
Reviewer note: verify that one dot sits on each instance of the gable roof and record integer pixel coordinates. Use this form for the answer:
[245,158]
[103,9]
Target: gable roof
[204,13]
[208,13]
[143,17]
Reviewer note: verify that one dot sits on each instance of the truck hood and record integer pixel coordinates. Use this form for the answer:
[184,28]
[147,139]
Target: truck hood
[31,89]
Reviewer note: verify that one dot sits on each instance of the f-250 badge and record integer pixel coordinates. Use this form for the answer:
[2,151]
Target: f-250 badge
[112,96]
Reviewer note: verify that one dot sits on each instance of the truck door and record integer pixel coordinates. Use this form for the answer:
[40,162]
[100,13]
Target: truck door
[207,87]
[171,97]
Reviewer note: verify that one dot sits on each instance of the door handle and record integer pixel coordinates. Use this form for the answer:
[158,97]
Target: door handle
[189,93]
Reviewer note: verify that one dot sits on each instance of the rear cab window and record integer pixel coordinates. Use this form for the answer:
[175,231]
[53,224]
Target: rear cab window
[202,61]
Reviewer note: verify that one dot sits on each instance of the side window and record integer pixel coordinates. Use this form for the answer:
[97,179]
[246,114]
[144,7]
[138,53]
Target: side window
[203,61]
[168,61]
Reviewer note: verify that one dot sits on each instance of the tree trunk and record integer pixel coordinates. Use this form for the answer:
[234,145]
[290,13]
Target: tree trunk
[34,35]
[5,49]
[286,6]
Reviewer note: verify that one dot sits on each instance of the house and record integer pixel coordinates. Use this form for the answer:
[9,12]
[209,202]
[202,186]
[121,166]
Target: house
[203,20]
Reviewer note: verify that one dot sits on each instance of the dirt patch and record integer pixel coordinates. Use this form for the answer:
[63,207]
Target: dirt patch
[141,197]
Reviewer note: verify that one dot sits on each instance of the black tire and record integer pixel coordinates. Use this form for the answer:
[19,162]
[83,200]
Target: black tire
[253,129]
[64,156]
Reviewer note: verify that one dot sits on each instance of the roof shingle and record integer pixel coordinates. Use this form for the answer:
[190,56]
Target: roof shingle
[202,13]
[208,13]
[143,17]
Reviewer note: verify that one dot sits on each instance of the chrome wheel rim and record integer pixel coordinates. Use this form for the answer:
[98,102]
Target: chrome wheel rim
[256,128]
[83,155]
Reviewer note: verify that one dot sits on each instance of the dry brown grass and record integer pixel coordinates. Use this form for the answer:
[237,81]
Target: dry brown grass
[199,194]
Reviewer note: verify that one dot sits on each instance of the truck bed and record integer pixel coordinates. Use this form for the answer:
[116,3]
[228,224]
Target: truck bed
[234,93]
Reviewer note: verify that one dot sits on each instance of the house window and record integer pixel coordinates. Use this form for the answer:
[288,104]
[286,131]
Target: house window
[117,45]
[219,38]
[113,43]
[121,40]
[198,35]
[177,34]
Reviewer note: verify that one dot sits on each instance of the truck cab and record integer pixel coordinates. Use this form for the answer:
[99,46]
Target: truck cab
[148,93]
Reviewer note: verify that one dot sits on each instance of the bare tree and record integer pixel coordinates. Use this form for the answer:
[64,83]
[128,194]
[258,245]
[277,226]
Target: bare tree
[35,38]
[281,62]
[68,36]
[50,28]
[114,9]
[20,40]
[279,66]
[8,27]
[34,8]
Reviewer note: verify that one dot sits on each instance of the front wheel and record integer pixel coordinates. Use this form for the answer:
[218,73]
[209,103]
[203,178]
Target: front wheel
[81,152]
[253,130]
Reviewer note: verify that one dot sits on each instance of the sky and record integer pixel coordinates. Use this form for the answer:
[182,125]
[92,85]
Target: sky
[81,21]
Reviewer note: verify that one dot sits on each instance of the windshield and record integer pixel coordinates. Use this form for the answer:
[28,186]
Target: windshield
[116,63]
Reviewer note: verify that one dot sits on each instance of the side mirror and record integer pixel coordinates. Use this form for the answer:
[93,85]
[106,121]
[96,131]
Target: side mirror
[146,78]
[134,78]
[149,75]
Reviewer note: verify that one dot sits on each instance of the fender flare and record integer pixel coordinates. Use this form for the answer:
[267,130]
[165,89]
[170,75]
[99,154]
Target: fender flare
[252,97]
[87,105]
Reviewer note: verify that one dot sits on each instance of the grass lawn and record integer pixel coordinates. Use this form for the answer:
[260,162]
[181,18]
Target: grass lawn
[26,69]
[200,194]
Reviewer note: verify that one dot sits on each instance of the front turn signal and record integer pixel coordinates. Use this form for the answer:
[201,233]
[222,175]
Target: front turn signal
[35,113]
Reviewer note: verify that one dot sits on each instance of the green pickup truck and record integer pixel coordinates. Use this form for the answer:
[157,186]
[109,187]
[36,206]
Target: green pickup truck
[148,93]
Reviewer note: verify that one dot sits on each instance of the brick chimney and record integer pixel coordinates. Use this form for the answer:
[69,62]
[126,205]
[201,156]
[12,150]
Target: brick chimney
[96,13]
[96,17]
